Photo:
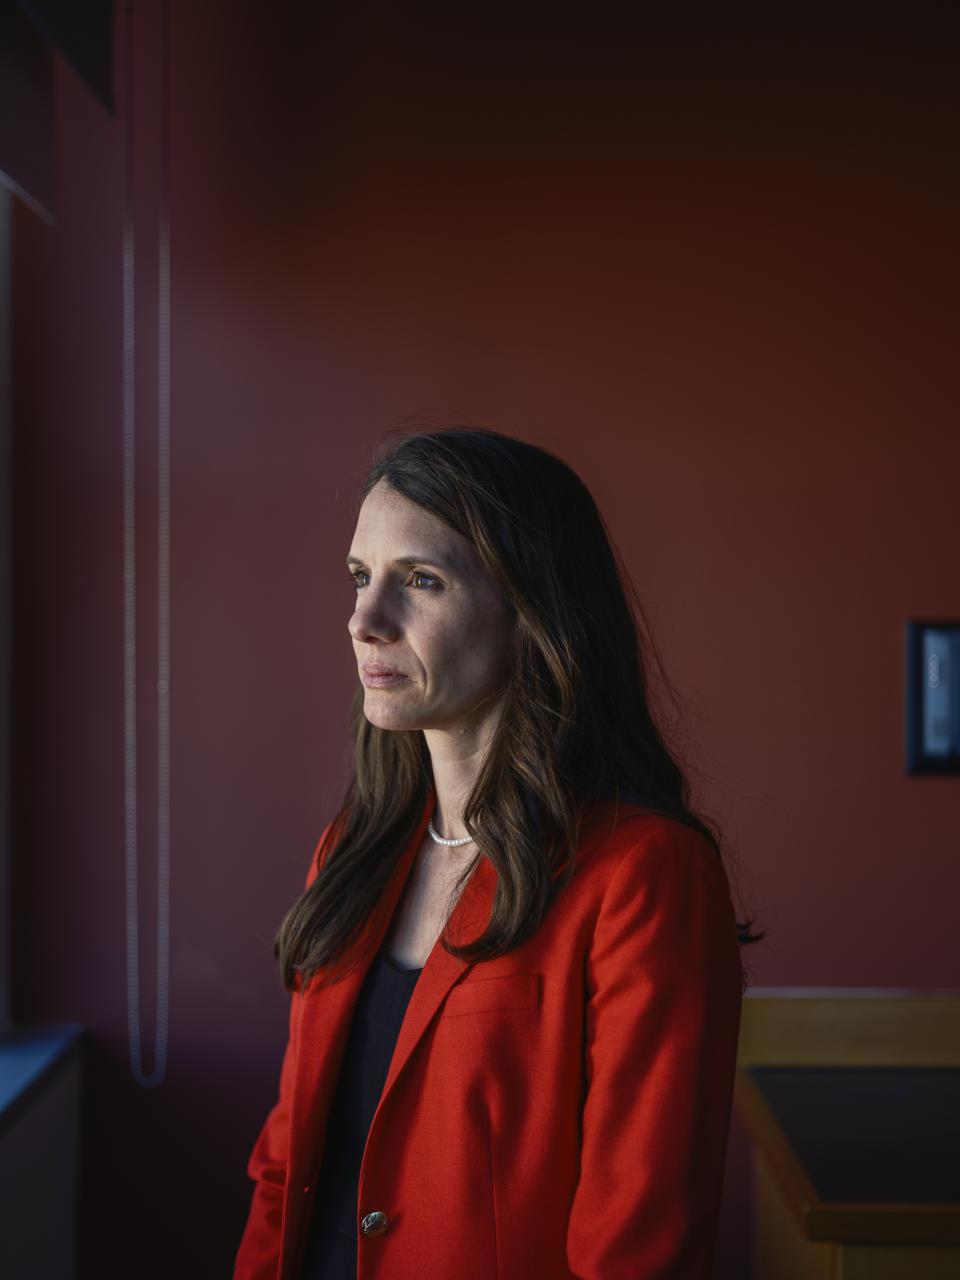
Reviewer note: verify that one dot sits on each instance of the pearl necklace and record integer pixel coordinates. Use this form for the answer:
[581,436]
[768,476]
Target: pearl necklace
[443,840]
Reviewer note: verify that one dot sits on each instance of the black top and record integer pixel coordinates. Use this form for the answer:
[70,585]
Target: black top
[380,1009]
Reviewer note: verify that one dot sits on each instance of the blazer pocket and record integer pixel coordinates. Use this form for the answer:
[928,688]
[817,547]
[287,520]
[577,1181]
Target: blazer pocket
[478,995]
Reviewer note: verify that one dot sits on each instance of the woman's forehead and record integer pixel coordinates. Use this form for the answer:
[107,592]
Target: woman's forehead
[390,524]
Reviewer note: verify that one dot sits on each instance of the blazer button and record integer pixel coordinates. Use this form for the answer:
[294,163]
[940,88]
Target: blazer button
[375,1224]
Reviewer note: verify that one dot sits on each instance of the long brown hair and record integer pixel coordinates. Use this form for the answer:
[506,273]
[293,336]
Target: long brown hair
[577,723]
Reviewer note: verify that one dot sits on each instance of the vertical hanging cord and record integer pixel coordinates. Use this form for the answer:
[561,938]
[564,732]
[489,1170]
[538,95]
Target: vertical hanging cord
[163,564]
[163,582]
[130,563]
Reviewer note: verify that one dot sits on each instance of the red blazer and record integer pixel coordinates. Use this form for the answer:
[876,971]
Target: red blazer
[561,1111]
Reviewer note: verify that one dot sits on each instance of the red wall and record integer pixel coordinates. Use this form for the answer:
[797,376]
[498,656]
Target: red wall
[714,269]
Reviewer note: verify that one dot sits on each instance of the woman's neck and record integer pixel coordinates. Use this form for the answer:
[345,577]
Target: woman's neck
[456,762]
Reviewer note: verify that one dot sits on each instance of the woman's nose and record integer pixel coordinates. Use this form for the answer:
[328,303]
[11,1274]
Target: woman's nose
[373,620]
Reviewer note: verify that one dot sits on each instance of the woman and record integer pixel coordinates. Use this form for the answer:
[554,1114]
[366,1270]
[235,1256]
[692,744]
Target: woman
[515,971]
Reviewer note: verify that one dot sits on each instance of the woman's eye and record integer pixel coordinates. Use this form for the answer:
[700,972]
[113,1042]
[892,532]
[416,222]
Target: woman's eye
[421,581]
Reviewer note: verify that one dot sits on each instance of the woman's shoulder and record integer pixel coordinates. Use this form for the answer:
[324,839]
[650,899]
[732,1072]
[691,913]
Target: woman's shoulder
[629,842]
[608,828]
[653,879]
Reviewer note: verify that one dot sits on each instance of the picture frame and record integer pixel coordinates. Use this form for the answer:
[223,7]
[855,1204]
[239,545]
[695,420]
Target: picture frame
[933,697]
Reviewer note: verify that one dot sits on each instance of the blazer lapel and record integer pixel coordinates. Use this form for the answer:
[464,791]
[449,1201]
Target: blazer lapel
[328,1010]
[469,918]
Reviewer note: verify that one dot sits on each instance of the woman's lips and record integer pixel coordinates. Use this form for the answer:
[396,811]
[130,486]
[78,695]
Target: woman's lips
[382,677]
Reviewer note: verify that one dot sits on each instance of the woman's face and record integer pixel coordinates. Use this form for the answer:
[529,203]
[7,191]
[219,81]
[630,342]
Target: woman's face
[431,634]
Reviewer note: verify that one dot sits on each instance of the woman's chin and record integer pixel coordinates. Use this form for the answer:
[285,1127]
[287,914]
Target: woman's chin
[382,715]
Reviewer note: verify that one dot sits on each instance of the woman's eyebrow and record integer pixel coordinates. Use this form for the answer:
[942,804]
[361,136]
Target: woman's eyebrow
[407,562]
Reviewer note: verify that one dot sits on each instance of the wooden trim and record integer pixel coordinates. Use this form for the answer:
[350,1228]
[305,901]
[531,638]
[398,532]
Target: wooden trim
[837,1221]
[888,1262]
[780,1250]
[774,1148]
[917,1224]
[845,1031]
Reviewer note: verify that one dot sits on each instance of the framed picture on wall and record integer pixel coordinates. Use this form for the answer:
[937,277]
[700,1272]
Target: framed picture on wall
[933,697]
